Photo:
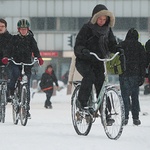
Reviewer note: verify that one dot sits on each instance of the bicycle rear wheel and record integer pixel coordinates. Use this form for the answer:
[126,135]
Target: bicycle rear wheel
[112,109]
[82,122]
[23,106]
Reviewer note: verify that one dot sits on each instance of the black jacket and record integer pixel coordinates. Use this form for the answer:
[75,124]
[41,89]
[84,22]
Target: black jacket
[135,55]
[99,40]
[47,81]
[4,41]
[21,48]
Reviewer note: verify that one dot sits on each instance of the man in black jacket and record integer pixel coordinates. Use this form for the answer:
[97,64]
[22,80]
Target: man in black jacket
[134,75]
[21,48]
[5,38]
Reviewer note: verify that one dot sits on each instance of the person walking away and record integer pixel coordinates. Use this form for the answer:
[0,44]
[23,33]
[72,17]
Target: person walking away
[134,75]
[5,37]
[46,84]
[147,48]
[21,48]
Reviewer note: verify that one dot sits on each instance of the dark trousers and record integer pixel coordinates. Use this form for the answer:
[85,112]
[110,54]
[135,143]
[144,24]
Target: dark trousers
[91,75]
[130,88]
[48,97]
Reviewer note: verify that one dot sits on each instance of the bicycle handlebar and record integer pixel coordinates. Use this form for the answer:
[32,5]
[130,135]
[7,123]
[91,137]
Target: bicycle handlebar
[25,64]
[105,59]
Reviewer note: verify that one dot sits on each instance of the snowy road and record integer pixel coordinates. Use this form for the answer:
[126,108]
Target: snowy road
[53,130]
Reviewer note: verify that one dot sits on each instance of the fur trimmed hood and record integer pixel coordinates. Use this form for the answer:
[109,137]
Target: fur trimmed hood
[101,10]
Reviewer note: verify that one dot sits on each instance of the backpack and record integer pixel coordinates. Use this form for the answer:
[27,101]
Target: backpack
[114,66]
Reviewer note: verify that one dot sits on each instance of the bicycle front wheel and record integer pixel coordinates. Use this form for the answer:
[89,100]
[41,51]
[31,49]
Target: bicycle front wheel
[81,121]
[23,106]
[15,107]
[2,106]
[112,113]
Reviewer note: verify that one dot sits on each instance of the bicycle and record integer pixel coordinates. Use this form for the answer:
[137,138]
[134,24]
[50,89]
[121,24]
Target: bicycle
[21,95]
[3,93]
[108,106]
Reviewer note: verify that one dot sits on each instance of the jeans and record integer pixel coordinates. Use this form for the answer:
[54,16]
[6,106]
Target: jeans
[130,89]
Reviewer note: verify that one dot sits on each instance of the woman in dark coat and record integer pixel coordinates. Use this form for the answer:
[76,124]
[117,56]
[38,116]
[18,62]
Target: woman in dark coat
[46,84]
[95,36]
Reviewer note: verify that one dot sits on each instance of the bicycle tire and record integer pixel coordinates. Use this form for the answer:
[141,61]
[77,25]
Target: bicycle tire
[81,126]
[3,105]
[23,106]
[15,107]
[116,112]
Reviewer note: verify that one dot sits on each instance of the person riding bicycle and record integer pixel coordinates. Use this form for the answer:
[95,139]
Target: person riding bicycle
[21,48]
[5,38]
[95,36]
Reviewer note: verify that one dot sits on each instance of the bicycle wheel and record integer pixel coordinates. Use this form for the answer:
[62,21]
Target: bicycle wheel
[112,110]
[23,106]
[3,105]
[15,111]
[82,122]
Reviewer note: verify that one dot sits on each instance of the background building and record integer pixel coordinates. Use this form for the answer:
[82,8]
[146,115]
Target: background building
[54,21]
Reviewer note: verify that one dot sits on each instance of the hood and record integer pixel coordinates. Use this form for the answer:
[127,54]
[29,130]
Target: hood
[101,10]
[132,34]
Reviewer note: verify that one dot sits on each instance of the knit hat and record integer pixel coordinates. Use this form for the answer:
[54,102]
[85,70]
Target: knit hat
[101,10]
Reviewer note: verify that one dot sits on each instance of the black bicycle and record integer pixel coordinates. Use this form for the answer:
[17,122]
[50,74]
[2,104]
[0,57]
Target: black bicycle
[3,93]
[21,95]
[108,106]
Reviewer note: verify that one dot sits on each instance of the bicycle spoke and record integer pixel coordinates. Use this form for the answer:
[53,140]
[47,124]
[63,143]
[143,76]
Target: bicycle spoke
[115,115]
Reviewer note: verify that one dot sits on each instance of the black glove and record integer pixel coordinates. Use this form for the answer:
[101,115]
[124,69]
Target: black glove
[86,53]
[141,80]
[121,51]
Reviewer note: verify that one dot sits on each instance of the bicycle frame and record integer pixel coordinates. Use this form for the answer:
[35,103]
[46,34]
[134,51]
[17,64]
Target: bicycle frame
[106,81]
[21,95]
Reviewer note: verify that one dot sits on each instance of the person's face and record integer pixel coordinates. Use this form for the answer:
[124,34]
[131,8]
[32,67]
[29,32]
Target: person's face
[49,69]
[101,20]
[2,28]
[23,31]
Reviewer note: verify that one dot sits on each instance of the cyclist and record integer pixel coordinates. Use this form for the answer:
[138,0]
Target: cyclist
[21,49]
[5,37]
[95,36]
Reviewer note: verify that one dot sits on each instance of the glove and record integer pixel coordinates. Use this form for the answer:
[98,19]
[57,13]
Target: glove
[5,60]
[40,61]
[141,80]
[86,53]
[121,51]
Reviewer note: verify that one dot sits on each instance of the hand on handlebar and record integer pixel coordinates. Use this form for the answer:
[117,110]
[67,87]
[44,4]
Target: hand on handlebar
[86,53]
[5,60]
[121,51]
[40,61]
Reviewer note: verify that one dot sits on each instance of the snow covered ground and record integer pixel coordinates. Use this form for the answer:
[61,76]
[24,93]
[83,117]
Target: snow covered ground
[53,129]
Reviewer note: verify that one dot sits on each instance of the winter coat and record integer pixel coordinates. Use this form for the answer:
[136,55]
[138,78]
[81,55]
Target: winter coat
[47,81]
[147,47]
[135,55]
[4,40]
[99,40]
[21,48]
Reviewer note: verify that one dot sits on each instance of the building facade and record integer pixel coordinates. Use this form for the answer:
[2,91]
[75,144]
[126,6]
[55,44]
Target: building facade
[54,21]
